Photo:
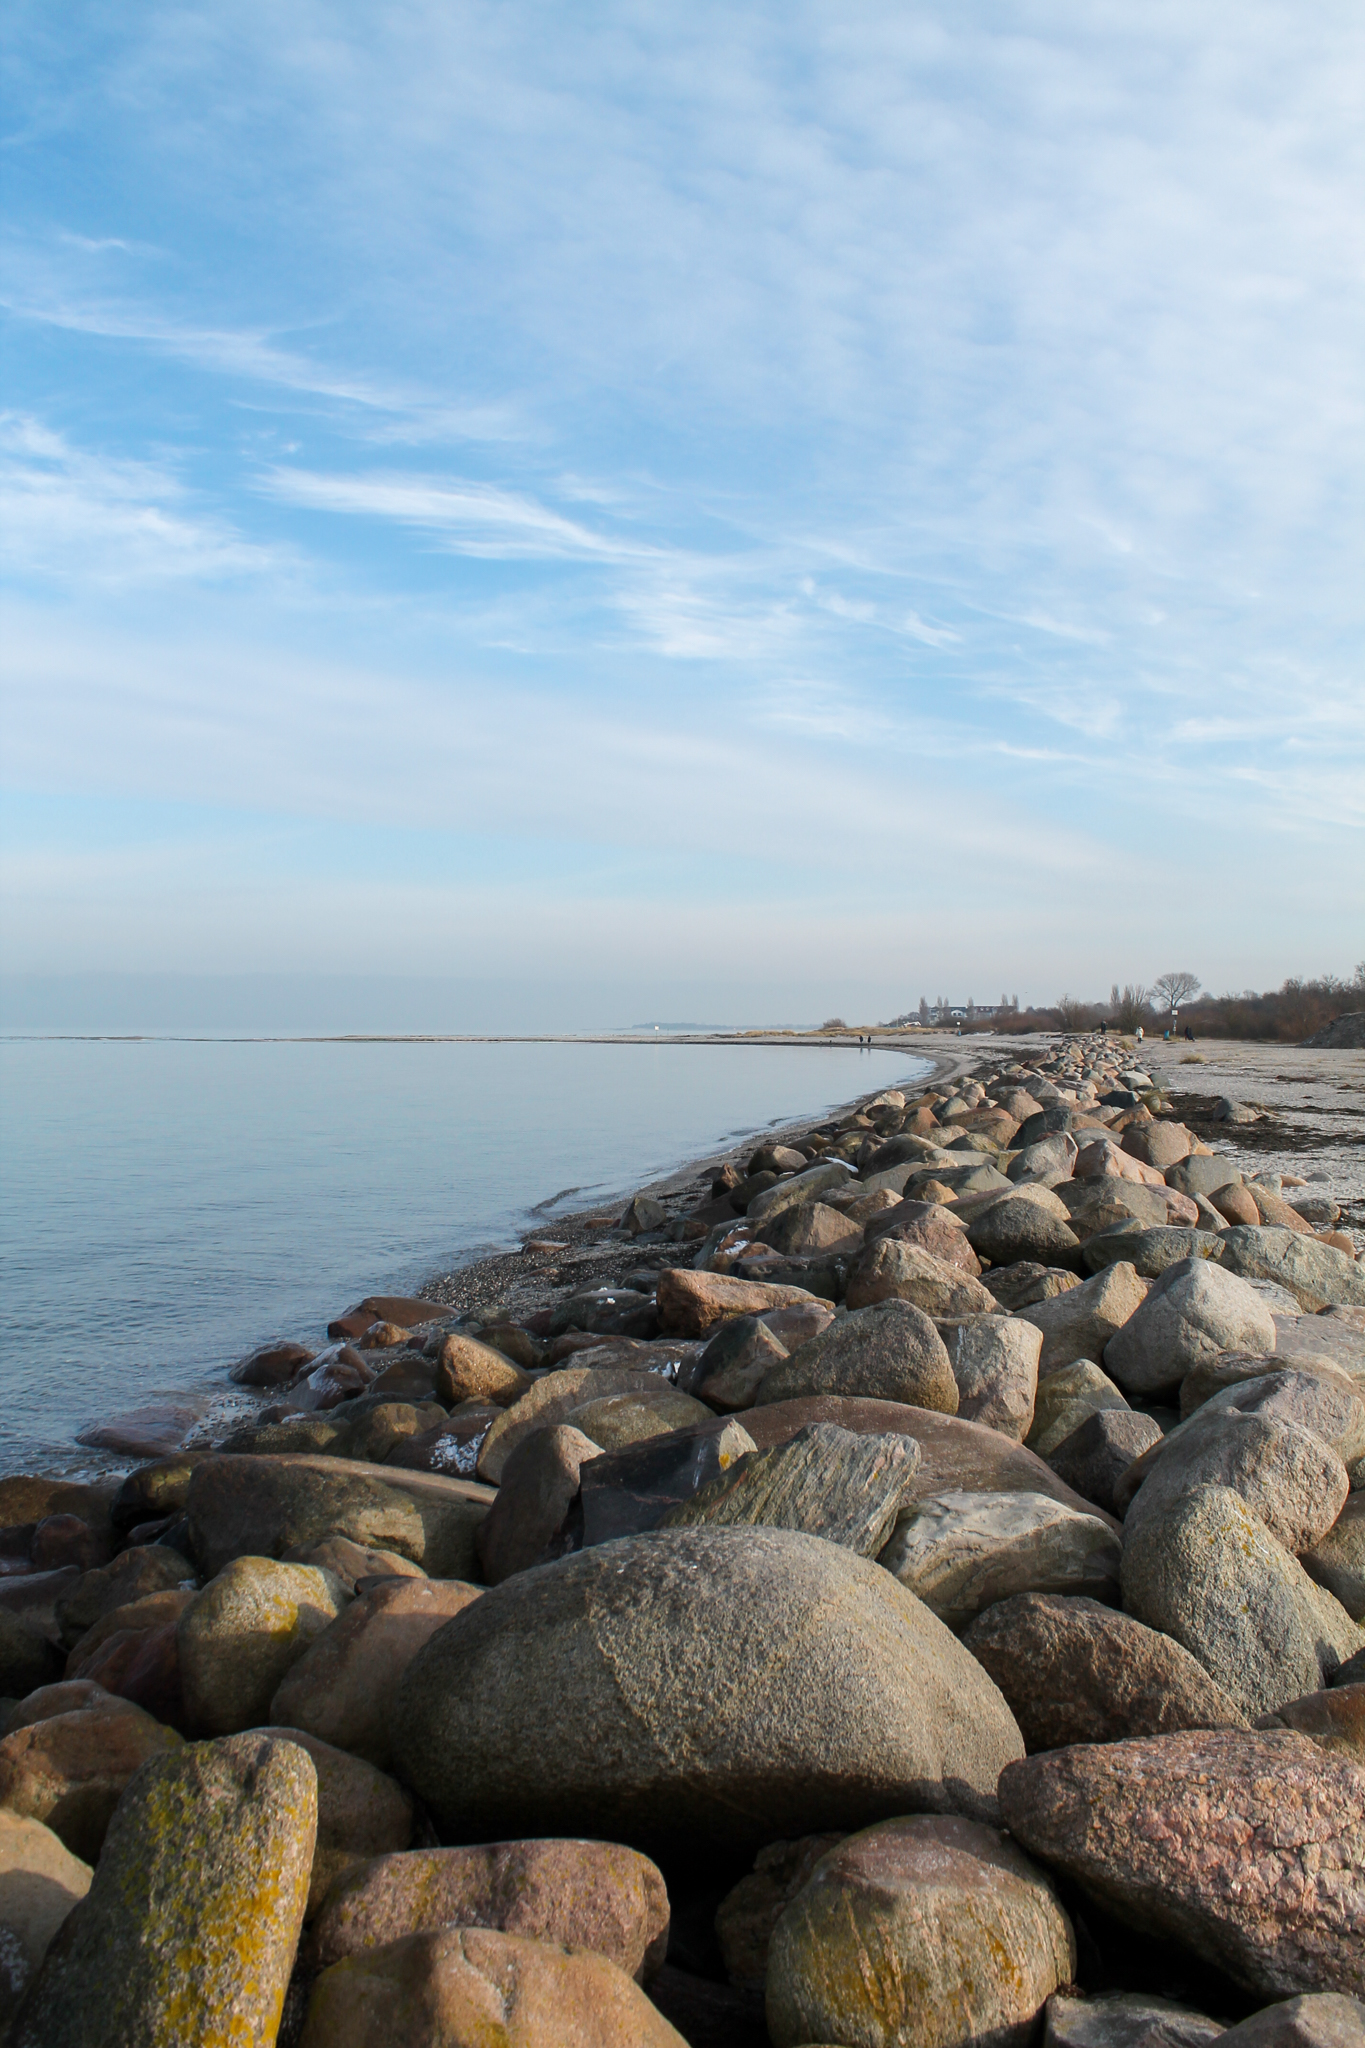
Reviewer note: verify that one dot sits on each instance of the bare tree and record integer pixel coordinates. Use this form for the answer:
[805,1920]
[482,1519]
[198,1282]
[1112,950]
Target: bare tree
[1171,990]
[1073,1013]
[924,1009]
[1131,1005]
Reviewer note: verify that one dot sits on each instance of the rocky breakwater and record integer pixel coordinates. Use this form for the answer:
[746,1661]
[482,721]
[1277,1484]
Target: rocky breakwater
[914,1595]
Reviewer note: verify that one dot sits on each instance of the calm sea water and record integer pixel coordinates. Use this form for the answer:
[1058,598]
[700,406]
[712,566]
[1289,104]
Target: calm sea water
[167,1204]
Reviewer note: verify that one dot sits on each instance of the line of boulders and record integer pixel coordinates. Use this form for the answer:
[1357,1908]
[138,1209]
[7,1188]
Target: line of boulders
[920,1603]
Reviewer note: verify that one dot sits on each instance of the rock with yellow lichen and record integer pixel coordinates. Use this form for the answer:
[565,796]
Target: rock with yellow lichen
[243,1633]
[188,1932]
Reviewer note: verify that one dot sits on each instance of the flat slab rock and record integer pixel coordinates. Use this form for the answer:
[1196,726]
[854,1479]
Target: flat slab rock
[826,1482]
[1247,1847]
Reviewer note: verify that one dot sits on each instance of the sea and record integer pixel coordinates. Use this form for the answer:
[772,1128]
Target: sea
[169,1203]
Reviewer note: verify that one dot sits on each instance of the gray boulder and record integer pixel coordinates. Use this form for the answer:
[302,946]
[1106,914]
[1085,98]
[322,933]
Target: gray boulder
[1150,1251]
[1195,1311]
[1316,1274]
[960,1552]
[889,1352]
[1207,1572]
[1323,2019]
[995,1364]
[826,1482]
[727,1687]
[1081,1322]
[1030,1224]
[893,1269]
[1096,1455]
[1125,2019]
[1073,1670]
[625,1492]
[1068,1398]
[540,1483]
[1202,1174]
[1337,1560]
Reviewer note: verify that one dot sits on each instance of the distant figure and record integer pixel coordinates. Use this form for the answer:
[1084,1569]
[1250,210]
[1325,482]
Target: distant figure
[1139,1034]
[1189,1034]
[1104,1027]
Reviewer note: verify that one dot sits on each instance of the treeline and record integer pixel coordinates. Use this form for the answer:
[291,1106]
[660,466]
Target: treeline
[1286,1015]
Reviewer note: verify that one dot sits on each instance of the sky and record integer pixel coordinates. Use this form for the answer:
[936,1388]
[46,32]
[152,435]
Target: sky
[728,511]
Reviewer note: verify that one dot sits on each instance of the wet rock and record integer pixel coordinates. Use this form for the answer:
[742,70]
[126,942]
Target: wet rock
[1334,1719]
[691,1304]
[189,1928]
[1080,1323]
[460,1983]
[691,1729]
[591,1895]
[960,1552]
[1316,1274]
[342,1688]
[1207,1573]
[1095,1456]
[1194,1312]
[452,1445]
[826,1482]
[241,1634]
[1323,2019]
[994,1360]
[908,1927]
[1244,1847]
[894,1270]
[40,1881]
[1068,1398]
[1125,2019]
[625,1492]
[1337,1560]
[272,1365]
[70,1771]
[469,1371]
[152,1431]
[748,1913]
[1073,1670]
[890,1351]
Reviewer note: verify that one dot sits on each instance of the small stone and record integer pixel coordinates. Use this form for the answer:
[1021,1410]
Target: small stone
[1030,1224]
[276,1364]
[934,1930]
[188,1931]
[1026,1282]
[651,1408]
[1073,1670]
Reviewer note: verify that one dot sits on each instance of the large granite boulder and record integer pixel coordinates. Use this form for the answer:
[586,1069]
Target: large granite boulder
[961,1552]
[1073,1670]
[889,1352]
[995,1363]
[728,1686]
[272,1506]
[1194,1311]
[933,1930]
[1246,1847]
[1316,1274]
[894,1269]
[1079,1323]
[70,1770]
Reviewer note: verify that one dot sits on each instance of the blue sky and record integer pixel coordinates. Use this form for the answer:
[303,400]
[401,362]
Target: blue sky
[805,506]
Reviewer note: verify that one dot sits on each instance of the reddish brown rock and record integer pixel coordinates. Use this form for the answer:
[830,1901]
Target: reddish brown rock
[1335,1720]
[71,1771]
[1247,1847]
[540,1484]
[272,1365]
[692,1303]
[362,1813]
[596,1895]
[469,1371]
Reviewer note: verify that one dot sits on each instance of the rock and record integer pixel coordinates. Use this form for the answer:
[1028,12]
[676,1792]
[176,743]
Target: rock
[70,1770]
[27,1658]
[1337,1560]
[241,1507]
[691,1729]
[890,1351]
[66,1697]
[644,1213]
[1323,2019]
[995,1364]
[60,1540]
[1235,1204]
[555,1398]
[691,1303]
[388,1424]
[540,1483]
[625,1492]
[1050,1160]
[188,1931]
[1075,1671]
[1080,1323]
[1159,1144]
[747,1915]
[1272,1209]
[1149,1252]
[905,1929]
[1125,2019]
[362,1813]
[960,1552]
[1227,1110]
[452,1446]
[1333,1719]
[1192,1313]
[151,1431]
[1352,1672]
[1065,1400]
[1235,1368]
[1030,1224]
[591,1895]
[272,1365]
[1026,1282]
[825,1481]
[892,1270]
[1244,1847]
[154,1610]
[801,1187]
[1316,1274]
[811,1227]
[936,1233]
[150,1568]
[1094,1457]
[40,1881]
[1203,1174]
[1271,1440]
[1097,1205]
[349,1562]
[616,1420]
[730,1370]
[461,1983]
[341,1689]
[469,1371]
[241,1634]
[1207,1573]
